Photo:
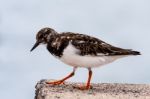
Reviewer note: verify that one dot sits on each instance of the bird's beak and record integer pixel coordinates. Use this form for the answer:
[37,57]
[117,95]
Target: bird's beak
[35,45]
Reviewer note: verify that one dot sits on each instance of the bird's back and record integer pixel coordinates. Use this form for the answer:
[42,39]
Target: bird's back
[93,46]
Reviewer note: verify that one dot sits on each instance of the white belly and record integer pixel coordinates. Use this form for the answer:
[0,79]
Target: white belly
[71,58]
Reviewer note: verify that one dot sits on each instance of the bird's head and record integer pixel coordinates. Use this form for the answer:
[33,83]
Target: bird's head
[43,36]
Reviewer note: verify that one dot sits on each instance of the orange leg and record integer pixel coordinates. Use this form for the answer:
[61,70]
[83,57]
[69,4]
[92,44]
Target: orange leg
[62,80]
[88,86]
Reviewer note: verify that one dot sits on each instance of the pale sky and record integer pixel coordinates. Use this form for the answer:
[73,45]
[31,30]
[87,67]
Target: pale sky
[123,23]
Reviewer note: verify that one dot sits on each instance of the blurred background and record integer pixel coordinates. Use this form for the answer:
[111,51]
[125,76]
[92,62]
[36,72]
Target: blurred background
[123,23]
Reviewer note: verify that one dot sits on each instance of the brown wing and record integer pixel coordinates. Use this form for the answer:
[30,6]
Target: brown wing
[92,46]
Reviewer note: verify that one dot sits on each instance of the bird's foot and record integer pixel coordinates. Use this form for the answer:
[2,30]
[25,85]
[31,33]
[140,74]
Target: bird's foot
[56,82]
[83,87]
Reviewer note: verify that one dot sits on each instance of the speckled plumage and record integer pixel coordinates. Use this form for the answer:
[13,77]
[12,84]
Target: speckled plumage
[87,45]
[79,50]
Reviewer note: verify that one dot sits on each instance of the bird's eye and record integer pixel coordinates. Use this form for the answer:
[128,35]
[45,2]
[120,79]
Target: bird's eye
[40,36]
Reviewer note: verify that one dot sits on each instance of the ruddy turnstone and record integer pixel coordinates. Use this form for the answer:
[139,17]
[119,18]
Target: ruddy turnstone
[79,50]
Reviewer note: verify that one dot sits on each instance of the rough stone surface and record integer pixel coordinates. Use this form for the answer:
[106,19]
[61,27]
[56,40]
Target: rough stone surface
[99,91]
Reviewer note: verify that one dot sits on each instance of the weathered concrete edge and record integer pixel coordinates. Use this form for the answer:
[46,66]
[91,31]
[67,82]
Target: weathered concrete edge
[101,90]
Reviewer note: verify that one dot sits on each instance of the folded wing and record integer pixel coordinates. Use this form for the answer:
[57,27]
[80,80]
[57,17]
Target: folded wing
[93,46]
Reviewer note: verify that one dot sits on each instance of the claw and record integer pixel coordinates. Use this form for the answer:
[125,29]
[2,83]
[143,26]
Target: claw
[56,82]
[83,87]
[88,86]
[62,80]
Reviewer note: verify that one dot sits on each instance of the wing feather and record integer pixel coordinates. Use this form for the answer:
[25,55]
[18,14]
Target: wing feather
[93,46]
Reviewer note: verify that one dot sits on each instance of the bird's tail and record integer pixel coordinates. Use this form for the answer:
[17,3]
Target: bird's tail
[134,52]
[120,51]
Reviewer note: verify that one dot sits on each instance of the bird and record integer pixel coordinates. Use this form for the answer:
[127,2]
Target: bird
[79,51]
